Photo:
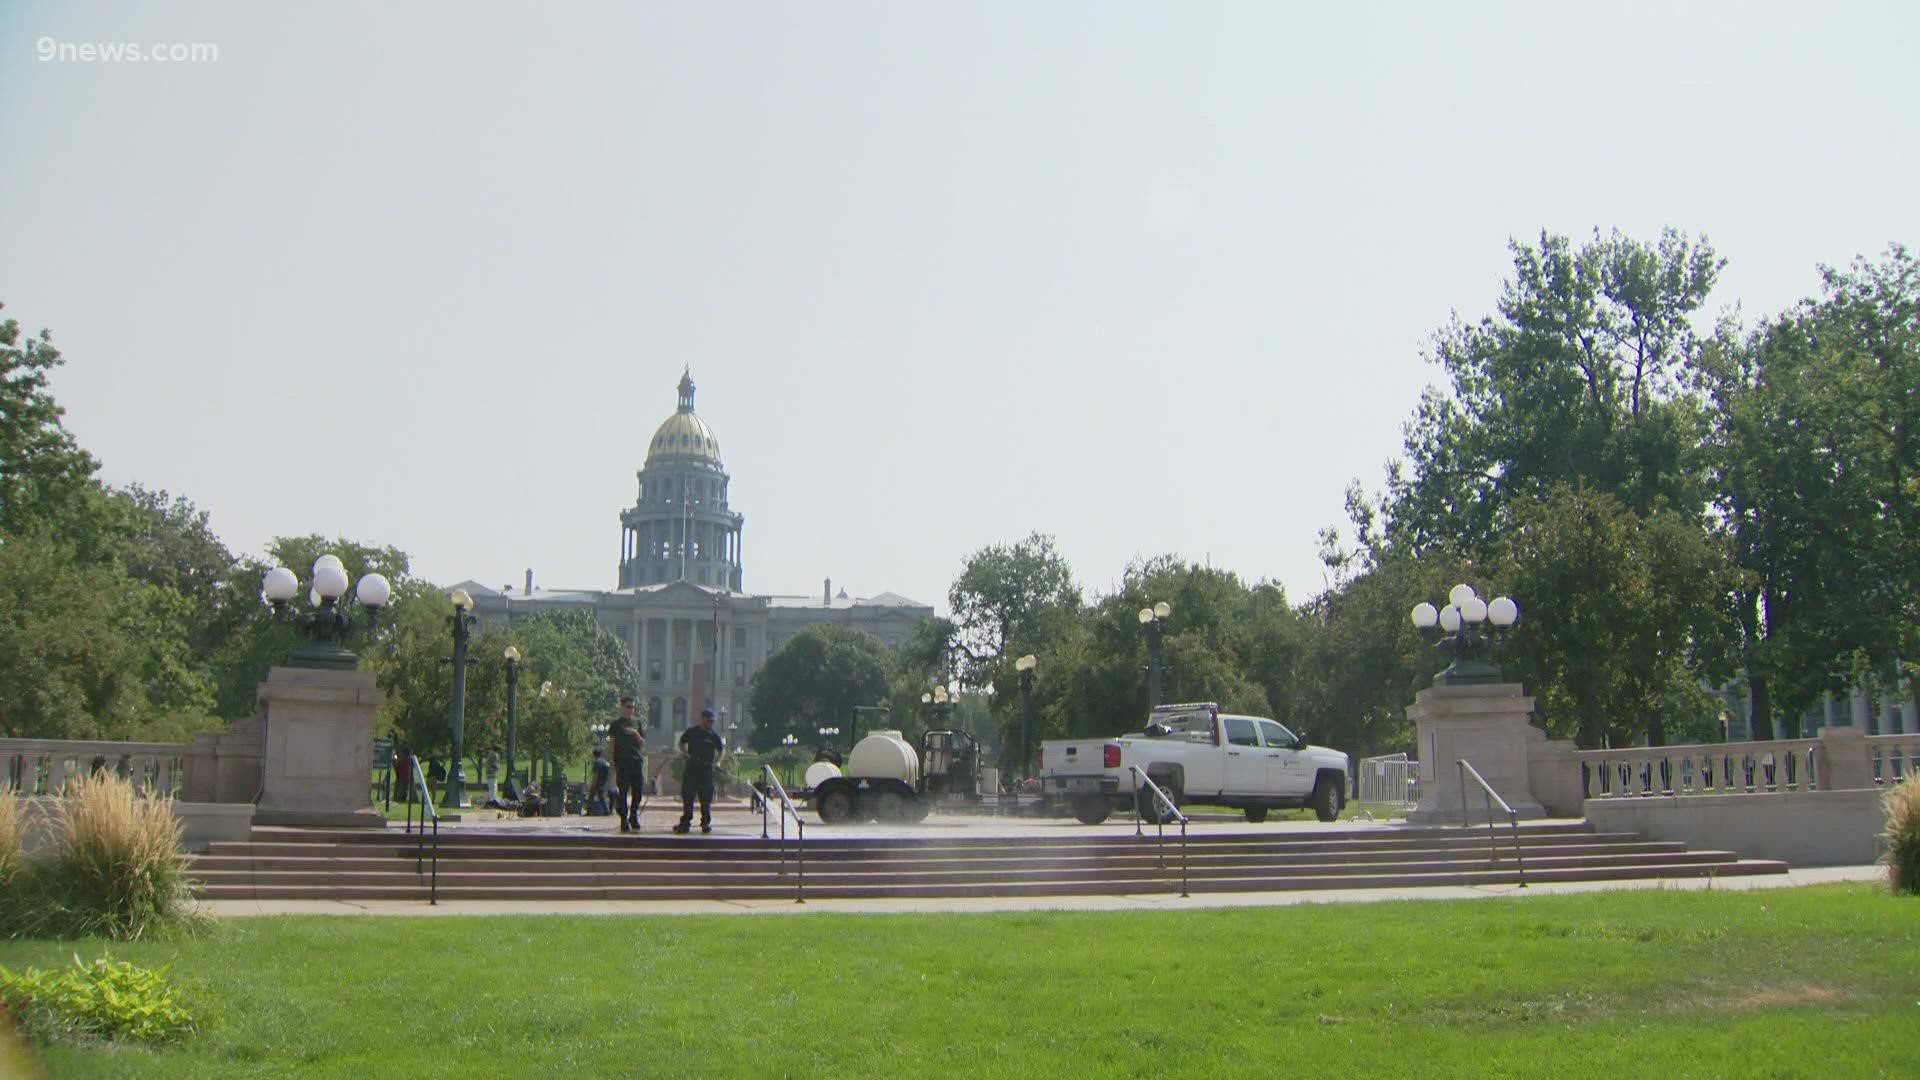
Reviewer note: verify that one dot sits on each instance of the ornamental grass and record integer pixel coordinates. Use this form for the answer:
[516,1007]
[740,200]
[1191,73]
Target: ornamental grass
[1902,804]
[119,872]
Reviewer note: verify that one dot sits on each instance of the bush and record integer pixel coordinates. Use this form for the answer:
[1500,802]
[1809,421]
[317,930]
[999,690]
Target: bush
[118,871]
[1903,835]
[101,1000]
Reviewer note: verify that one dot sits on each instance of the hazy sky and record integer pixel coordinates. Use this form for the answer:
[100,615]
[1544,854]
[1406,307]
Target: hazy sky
[1149,277]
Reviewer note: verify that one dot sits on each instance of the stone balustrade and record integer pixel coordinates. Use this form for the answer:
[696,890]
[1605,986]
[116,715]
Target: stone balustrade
[1839,759]
[30,767]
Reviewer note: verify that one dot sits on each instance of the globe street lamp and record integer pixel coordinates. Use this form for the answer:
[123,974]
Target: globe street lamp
[1154,619]
[1462,620]
[1025,666]
[827,735]
[327,623]
[513,714]
[939,705]
[463,621]
[789,740]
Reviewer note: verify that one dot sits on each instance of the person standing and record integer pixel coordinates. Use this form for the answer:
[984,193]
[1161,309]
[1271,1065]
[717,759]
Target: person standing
[703,748]
[629,764]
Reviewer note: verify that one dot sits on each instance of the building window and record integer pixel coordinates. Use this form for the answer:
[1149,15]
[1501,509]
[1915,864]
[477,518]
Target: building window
[679,713]
[653,713]
[739,637]
[653,670]
[739,673]
[679,672]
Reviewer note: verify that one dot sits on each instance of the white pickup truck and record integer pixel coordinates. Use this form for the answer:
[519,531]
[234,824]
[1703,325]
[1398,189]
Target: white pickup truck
[1196,754]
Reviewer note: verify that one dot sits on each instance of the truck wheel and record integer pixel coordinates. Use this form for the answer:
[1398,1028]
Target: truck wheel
[834,803]
[1256,814]
[1092,809]
[1151,810]
[1326,797]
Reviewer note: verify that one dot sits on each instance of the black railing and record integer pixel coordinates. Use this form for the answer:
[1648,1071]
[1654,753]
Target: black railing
[427,813]
[799,845]
[1492,797]
[1163,805]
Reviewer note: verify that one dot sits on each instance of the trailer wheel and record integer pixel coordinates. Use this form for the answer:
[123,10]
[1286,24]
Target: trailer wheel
[1091,809]
[834,802]
[1256,814]
[890,807]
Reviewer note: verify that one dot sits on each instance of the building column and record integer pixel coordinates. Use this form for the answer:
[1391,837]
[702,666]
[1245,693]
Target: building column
[1859,712]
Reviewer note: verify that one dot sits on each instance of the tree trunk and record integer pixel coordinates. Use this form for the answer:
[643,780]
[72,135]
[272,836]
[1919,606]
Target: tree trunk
[1761,724]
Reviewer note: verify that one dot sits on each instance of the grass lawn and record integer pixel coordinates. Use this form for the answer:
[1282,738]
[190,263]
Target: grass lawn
[1815,982]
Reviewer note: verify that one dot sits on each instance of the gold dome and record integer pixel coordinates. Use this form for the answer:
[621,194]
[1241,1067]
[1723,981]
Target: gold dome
[684,435]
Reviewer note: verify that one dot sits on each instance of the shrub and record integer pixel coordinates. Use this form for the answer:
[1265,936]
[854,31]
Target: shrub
[101,1000]
[120,871]
[15,880]
[1903,835]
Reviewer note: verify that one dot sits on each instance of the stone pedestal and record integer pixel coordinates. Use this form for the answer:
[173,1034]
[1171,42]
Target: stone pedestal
[318,762]
[224,768]
[1486,724]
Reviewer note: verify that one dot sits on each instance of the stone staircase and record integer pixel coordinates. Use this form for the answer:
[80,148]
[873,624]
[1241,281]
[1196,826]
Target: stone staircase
[480,864]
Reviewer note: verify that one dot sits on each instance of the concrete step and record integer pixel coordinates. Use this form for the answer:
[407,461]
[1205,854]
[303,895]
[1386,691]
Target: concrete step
[785,889]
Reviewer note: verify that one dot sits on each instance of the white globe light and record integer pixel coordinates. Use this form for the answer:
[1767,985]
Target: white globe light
[279,585]
[1474,610]
[1450,619]
[313,597]
[461,599]
[1503,611]
[1424,616]
[329,581]
[1457,596]
[373,590]
[1162,609]
[512,654]
[1026,663]
[1146,615]
[329,560]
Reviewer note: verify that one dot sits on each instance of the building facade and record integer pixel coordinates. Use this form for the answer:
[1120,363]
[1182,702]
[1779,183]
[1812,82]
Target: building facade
[695,635]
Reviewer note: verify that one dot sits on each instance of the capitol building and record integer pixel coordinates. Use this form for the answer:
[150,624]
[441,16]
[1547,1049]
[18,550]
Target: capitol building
[680,607]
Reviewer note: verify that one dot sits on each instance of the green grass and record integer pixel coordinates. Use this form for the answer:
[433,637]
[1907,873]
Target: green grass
[1816,982]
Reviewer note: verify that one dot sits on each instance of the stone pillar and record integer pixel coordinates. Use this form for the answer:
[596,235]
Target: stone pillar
[1486,724]
[319,747]
[225,767]
[1844,762]
[1858,717]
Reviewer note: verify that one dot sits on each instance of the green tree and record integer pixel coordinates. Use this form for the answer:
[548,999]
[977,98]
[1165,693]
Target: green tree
[1008,600]
[814,681]
[43,471]
[1622,618]
[1583,376]
[1816,445]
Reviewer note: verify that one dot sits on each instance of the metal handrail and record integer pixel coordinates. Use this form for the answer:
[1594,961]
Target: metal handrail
[427,812]
[1492,797]
[799,844]
[1160,799]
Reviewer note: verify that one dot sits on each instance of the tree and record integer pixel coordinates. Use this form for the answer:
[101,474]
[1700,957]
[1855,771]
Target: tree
[814,681]
[1816,449]
[1622,618]
[89,652]
[1582,376]
[42,469]
[1009,600]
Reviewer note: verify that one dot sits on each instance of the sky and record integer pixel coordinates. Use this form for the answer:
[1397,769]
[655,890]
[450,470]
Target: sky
[1150,278]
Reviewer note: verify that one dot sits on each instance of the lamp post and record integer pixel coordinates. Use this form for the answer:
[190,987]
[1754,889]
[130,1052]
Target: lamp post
[1025,666]
[940,704]
[463,621]
[1154,619]
[1470,645]
[327,623]
[827,735]
[513,714]
[789,740]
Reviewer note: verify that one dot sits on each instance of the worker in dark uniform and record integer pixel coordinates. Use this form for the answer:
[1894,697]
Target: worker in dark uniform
[629,764]
[703,748]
